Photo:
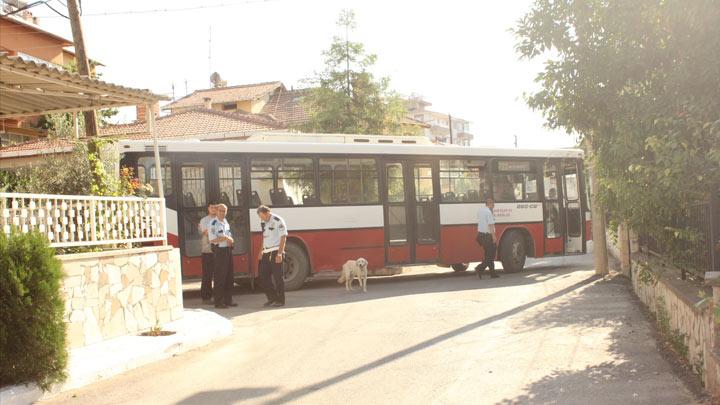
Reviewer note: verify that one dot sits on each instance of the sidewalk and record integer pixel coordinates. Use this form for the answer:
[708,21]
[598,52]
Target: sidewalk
[93,363]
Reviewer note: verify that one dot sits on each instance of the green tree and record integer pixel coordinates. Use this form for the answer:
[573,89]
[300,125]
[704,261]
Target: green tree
[638,81]
[346,97]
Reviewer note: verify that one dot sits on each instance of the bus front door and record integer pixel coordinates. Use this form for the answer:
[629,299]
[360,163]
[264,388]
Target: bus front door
[412,222]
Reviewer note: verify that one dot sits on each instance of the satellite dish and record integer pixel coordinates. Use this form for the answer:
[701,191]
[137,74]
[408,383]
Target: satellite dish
[217,81]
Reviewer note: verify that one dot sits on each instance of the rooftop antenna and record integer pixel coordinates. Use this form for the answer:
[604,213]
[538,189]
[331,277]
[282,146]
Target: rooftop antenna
[210,51]
[173,90]
[515,141]
[186,87]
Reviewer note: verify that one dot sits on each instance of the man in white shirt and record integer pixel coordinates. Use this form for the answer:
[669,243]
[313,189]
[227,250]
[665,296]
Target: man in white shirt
[271,256]
[221,242]
[207,255]
[486,238]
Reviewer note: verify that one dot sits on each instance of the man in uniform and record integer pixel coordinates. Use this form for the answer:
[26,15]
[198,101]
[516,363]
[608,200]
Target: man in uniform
[207,255]
[271,256]
[221,242]
[486,237]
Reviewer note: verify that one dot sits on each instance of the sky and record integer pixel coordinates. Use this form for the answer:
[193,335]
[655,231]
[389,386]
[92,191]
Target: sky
[459,55]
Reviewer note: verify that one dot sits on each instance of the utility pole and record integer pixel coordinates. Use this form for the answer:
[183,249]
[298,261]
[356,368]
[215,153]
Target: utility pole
[450,128]
[210,54]
[81,58]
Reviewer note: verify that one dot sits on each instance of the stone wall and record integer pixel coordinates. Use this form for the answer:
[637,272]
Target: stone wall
[684,309]
[682,312]
[114,293]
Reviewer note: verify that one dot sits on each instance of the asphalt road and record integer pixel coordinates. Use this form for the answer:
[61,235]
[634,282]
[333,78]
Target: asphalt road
[551,334]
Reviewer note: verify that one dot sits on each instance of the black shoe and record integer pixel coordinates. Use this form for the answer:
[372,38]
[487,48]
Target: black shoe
[494,275]
[232,304]
[269,303]
[221,306]
[277,304]
[479,273]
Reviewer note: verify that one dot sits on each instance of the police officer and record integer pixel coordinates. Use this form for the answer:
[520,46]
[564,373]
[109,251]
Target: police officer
[486,238]
[271,256]
[208,266]
[221,242]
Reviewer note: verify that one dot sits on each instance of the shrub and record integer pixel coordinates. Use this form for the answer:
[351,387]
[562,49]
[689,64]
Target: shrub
[32,328]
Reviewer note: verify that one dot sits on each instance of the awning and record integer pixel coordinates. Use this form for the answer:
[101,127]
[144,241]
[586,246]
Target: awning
[28,88]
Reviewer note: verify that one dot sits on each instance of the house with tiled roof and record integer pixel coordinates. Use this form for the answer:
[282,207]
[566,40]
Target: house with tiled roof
[22,36]
[195,124]
[249,98]
[286,106]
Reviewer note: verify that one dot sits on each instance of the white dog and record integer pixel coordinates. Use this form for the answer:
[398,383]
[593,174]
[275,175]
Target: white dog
[354,269]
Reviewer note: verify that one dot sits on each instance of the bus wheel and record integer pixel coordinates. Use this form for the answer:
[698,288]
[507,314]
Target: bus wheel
[460,266]
[296,267]
[512,252]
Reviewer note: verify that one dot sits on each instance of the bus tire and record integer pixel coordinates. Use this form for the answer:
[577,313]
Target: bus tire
[460,266]
[513,252]
[296,267]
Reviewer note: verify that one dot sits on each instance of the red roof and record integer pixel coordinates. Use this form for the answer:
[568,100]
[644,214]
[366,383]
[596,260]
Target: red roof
[191,123]
[188,124]
[242,92]
[286,106]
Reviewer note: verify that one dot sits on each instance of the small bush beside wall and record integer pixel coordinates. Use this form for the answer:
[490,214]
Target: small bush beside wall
[32,329]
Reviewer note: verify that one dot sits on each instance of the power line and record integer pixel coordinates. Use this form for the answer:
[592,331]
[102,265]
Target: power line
[171,10]
[26,7]
[56,12]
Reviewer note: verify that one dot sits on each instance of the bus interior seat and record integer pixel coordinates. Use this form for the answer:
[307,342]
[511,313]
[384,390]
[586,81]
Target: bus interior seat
[225,199]
[255,199]
[449,196]
[310,199]
[462,197]
[473,196]
[189,200]
[290,201]
[278,197]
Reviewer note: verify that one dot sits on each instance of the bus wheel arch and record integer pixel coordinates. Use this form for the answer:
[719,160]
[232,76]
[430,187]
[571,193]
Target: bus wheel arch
[297,266]
[515,246]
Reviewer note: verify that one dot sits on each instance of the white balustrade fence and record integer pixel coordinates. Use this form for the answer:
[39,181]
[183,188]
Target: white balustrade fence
[69,220]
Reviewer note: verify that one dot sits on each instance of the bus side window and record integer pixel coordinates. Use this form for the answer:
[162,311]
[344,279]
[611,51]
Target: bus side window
[515,181]
[463,181]
[283,182]
[348,181]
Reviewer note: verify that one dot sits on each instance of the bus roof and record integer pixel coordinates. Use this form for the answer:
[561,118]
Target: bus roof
[339,144]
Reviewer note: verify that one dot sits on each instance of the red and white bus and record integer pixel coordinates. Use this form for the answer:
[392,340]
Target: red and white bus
[393,200]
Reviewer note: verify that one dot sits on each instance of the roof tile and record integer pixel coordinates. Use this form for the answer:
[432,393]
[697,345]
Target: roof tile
[225,94]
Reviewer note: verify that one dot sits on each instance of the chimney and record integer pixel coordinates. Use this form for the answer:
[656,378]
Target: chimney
[141,111]
[208,103]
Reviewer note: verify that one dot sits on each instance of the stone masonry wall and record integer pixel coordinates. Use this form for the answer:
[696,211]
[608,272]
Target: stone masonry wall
[688,320]
[114,293]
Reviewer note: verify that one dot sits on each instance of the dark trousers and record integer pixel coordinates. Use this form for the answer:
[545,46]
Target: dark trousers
[485,240]
[223,275]
[271,277]
[208,268]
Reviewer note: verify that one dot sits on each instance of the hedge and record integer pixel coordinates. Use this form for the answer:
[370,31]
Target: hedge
[32,328]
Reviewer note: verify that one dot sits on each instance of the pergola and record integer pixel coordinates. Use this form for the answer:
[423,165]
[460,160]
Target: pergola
[31,89]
